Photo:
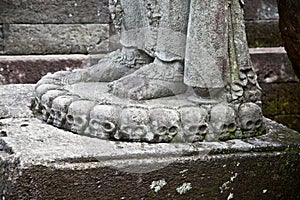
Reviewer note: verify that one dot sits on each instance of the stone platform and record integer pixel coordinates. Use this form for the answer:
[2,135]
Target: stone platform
[39,161]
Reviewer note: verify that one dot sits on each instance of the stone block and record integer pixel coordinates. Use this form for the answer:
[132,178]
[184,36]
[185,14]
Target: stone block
[263,33]
[54,12]
[272,65]
[39,161]
[15,101]
[56,38]
[29,69]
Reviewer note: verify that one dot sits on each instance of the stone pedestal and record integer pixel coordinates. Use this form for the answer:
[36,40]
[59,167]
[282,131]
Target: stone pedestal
[39,161]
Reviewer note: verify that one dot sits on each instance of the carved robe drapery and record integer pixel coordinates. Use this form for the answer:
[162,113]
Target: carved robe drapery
[207,36]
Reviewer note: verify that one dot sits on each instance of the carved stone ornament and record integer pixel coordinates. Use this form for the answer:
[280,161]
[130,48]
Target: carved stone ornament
[183,74]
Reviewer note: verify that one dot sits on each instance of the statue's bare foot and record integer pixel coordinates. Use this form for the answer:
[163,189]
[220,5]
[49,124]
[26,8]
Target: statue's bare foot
[112,67]
[158,79]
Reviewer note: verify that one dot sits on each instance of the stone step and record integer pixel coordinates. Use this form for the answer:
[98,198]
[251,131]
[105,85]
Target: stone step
[29,69]
[271,64]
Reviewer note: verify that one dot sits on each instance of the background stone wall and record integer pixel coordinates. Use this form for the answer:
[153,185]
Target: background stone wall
[76,26]
[30,30]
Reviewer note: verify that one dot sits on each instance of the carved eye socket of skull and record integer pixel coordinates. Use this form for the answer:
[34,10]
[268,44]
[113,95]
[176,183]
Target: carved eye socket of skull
[194,123]
[133,124]
[250,116]
[46,103]
[103,121]
[60,108]
[78,115]
[223,120]
[164,124]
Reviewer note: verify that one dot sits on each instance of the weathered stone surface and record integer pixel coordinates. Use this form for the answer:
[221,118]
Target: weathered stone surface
[261,10]
[56,38]
[263,33]
[43,12]
[272,65]
[40,161]
[29,69]
[15,101]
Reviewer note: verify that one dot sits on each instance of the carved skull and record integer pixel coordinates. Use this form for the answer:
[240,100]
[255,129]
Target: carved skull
[46,103]
[164,124]
[223,121]
[194,123]
[40,91]
[103,121]
[250,116]
[78,115]
[133,124]
[60,108]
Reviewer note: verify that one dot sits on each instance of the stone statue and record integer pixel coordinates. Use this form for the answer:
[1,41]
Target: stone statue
[183,75]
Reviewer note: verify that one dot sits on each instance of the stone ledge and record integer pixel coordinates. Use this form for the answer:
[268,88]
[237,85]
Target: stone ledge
[29,69]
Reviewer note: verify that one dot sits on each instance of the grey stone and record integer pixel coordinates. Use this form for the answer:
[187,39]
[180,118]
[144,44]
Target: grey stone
[16,100]
[32,151]
[205,63]
[54,12]
[215,62]
[78,166]
[56,38]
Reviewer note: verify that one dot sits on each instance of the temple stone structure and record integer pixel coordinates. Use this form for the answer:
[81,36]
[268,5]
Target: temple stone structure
[174,114]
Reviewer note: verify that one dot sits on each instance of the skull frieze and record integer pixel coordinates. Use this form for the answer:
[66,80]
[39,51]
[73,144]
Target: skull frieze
[103,121]
[194,123]
[251,118]
[223,121]
[164,124]
[133,124]
[46,103]
[78,115]
[59,109]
